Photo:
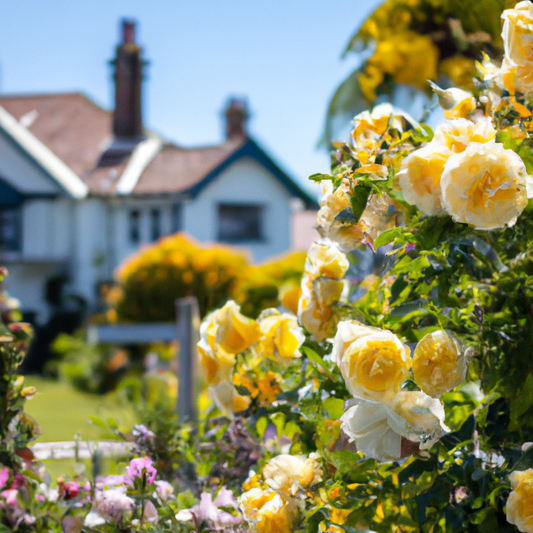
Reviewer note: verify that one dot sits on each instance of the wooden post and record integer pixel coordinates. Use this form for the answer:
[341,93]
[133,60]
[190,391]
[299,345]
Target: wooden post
[187,326]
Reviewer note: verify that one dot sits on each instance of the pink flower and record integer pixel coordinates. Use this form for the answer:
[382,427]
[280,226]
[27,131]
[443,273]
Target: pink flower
[108,506]
[138,467]
[164,490]
[150,512]
[10,496]
[19,482]
[109,482]
[4,476]
[208,510]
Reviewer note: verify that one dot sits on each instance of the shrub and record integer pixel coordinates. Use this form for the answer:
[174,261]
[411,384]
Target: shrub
[151,280]
[272,283]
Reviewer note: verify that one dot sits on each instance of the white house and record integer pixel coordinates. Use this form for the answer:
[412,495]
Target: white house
[82,188]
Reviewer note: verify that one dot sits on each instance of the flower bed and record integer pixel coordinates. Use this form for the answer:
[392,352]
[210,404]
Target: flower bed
[404,404]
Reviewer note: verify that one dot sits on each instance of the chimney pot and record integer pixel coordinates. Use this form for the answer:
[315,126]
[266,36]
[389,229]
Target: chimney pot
[127,117]
[128,31]
[236,118]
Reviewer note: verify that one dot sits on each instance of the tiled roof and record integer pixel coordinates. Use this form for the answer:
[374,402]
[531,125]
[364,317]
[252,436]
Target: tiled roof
[72,126]
[175,169]
[79,132]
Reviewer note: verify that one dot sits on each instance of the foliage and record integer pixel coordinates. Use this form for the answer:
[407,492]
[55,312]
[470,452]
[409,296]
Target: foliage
[272,283]
[327,421]
[17,429]
[408,42]
[176,266]
[90,368]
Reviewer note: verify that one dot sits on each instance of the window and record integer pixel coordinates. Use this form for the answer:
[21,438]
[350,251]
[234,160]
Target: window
[155,224]
[240,222]
[177,218]
[135,226]
[10,240]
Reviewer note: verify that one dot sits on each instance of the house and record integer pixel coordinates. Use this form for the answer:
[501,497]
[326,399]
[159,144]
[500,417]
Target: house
[82,188]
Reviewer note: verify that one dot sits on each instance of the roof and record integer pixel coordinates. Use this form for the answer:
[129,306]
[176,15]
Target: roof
[79,133]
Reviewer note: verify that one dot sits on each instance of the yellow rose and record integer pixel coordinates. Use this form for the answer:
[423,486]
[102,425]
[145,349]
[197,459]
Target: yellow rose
[458,133]
[439,364]
[420,175]
[267,511]
[315,311]
[376,218]
[517,37]
[348,236]
[289,295]
[373,365]
[377,429]
[234,332]
[227,399]
[289,473]
[216,365]
[520,503]
[281,337]
[321,288]
[455,103]
[484,186]
[325,259]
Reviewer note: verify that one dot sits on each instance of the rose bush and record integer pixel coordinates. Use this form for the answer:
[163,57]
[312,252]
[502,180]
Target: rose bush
[403,403]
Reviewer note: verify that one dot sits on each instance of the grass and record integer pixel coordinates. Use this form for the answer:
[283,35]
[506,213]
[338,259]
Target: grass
[63,411]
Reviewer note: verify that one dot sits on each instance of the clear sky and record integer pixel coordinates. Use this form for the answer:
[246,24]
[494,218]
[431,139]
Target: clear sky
[282,55]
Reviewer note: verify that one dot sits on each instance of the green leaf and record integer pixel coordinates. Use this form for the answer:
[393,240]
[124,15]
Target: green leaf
[334,407]
[97,421]
[343,460]
[454,439]
[358,200]
[387,237]
[279,421]
[112,423]
[261,425]
[315,358]
[320,177]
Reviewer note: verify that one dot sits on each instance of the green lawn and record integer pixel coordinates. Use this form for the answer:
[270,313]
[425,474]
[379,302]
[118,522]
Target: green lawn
[62,411]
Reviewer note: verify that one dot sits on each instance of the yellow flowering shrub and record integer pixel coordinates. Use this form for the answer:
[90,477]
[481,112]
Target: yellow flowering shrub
[151,280]
[410,41]
[271,283]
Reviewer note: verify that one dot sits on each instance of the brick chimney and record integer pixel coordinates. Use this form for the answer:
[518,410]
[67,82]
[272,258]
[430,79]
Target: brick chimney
[236,118]
[128,75]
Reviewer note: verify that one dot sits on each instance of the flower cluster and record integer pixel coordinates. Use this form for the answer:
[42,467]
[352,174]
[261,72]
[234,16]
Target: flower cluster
[272,504]
[225,334]
[465,173]
[322,287]
[375,364]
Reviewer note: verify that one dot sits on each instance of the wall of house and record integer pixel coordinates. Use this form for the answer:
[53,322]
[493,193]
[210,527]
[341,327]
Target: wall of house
[244,182]
[90,256]
[119,213]
[14,163]
[46,237]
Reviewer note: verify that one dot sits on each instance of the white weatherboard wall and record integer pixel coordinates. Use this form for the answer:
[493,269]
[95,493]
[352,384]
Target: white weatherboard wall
[120,214]
[47,229]
[243,182]
[14,163]
[90,246]
[47,232]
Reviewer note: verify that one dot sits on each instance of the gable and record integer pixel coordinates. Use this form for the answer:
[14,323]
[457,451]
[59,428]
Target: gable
[21,173]
[244,180]
[251,150]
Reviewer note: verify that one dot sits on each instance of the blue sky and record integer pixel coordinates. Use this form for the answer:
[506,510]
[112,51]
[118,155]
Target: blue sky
[284,56]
